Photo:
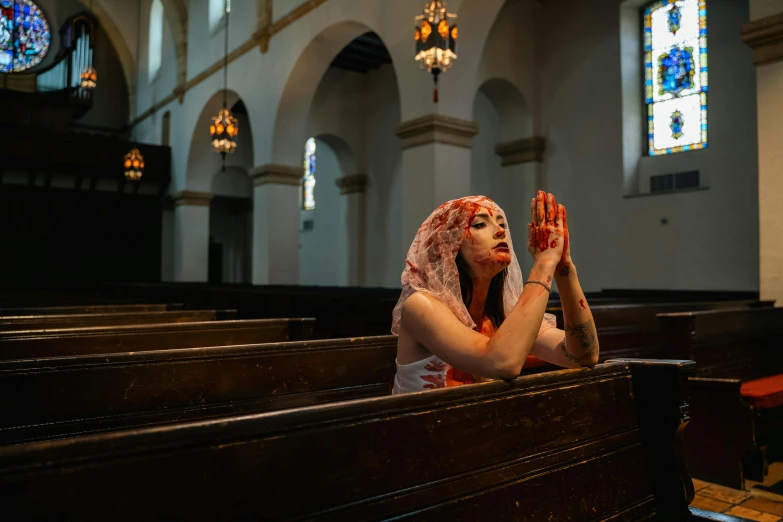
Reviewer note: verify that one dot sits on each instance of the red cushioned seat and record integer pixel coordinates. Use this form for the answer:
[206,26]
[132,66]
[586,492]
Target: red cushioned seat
[764,393]
[533,362]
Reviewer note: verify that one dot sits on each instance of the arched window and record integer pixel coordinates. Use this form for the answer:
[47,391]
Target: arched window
[308,180]
[675,60]
[217,11]
[156,38]
[24,35]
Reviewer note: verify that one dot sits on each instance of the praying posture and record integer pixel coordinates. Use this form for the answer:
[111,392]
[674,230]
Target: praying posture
[466,314]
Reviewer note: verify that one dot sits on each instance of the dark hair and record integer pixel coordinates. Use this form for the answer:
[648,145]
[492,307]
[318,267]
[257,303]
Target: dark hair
[493,308]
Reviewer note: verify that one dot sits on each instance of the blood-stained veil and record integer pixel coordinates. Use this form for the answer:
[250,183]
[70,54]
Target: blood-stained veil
[431,262]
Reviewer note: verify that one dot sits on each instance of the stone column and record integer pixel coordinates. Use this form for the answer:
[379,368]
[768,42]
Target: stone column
[765,36]
[276,224]
[191,235]
[435,167]
[521,161]
[354,187]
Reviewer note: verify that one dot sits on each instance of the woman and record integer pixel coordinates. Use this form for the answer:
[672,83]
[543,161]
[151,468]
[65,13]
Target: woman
[465,312]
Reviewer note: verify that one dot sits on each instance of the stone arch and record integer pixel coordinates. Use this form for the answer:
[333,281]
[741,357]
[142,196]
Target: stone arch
[112,30]
[345,155]
[203,162]
[475,19]
[516,118]
[502,164]
[176,13]
[290,127]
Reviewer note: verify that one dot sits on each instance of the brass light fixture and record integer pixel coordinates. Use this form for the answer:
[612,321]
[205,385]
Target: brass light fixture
[134,165]
[436,40]
[89,76]
[224,127]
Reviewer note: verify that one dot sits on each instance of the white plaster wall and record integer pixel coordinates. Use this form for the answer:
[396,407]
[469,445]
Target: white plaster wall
[125,15]
[384,250]
[359,112]
[764,8]
[209,43]
[486,174]
[281,8]
[233,182]
[152,90]
[338,109]
[770,109]
[323,259]
[512,52]
[711,241]
[511,187]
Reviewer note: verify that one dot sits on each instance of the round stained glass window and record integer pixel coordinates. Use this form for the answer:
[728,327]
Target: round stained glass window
[24,35]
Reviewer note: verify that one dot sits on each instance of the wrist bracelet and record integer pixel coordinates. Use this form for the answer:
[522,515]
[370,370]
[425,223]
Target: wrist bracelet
[538,283]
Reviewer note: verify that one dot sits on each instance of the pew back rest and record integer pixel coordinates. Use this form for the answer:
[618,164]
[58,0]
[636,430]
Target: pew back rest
[87,309]
[112,339]
[41,322]
[55,397]
[643,315]
[569,445]
[735,343]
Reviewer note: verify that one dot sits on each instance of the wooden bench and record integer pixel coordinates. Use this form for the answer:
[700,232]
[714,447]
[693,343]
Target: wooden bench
[87,309]
[572,445]
[632,330]
[63,396]
[736,419]
[34,344]
[43,322]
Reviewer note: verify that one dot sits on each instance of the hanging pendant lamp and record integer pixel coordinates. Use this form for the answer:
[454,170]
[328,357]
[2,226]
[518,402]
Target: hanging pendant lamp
[134,165]
[224,127]
[436,40]
[89,76]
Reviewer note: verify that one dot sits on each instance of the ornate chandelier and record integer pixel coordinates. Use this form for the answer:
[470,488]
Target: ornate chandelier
[436,40]
[134,165]
[224,127]
[89,78]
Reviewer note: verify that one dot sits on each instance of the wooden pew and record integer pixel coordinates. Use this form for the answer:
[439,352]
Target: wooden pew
[88,309]
[572,445]
[63,396]
[34,344]
[44,322]
[731,431]
[632,330]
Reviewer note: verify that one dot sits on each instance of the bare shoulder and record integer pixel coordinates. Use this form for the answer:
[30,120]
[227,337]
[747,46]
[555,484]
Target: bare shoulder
[431,324]
[421,309]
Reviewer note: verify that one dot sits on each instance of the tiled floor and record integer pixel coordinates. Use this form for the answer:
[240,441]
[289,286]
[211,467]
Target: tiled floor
[753,504]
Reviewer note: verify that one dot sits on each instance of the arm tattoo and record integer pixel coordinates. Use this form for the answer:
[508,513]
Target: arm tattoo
[565,271]
[585,334]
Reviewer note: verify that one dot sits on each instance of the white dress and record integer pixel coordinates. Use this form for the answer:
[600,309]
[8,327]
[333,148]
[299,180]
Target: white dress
[432,372]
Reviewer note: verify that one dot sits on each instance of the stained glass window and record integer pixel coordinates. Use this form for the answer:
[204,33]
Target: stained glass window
[24,35]
[675,56]
[308,181]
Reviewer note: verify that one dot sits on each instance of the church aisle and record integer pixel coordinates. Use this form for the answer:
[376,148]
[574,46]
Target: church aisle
[754,504]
